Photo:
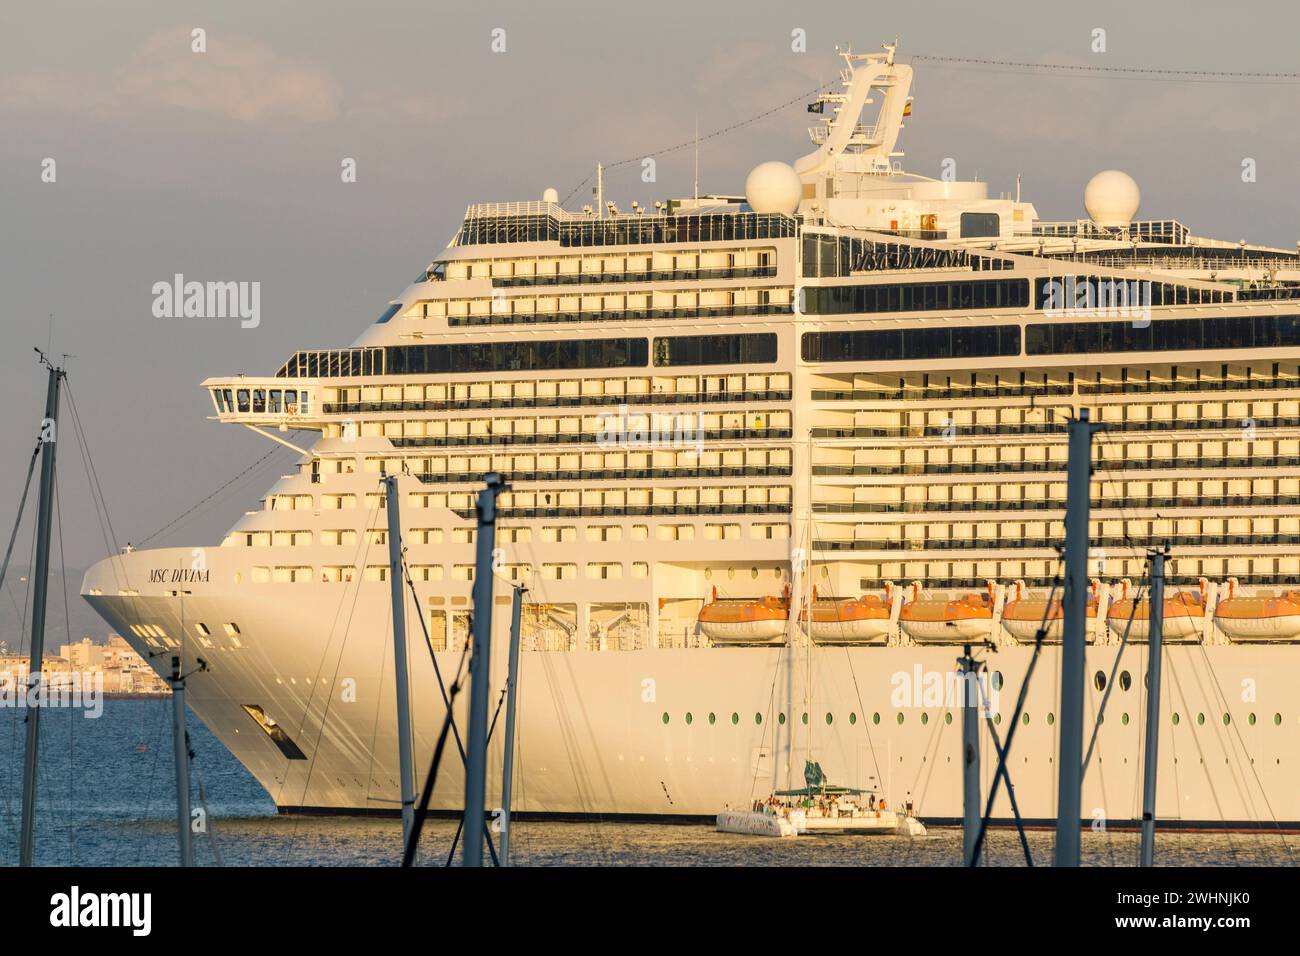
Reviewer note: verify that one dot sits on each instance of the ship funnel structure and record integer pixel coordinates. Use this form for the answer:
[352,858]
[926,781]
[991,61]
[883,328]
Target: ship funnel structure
[845,143]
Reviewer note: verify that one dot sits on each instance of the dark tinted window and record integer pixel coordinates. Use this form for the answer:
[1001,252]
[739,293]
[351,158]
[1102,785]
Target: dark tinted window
[1163,335]
[917,297]
[715,349]
[911,344]
[975,224]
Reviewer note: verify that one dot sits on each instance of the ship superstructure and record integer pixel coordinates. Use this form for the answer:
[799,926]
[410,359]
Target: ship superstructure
[847,389]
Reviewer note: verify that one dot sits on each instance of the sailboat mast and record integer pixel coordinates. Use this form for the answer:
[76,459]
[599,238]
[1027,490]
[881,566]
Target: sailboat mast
[406,769]
[49,429]
[1073,640]
[1150,754]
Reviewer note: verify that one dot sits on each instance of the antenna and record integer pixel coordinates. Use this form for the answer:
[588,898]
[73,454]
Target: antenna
[697,156]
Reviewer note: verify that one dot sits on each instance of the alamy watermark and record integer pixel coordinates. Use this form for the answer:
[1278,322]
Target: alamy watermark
[651,430]
[920,688]
[1111,298]
[60,689]
[179,299]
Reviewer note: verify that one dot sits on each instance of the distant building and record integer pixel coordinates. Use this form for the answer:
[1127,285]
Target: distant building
[124,671]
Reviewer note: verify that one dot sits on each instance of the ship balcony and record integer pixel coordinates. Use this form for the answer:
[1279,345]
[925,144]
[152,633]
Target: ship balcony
[274,402]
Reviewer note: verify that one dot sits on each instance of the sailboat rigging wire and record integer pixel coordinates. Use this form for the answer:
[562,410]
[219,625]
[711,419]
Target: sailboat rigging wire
[866,724]
[422,810]
[22,505]
[448,722]
[1110,683]
[67,623]
[1011,788]
[1209,666]
[1200,752]
[1005,752]
[92,476]
[696,140]
[1121,72]
[13,722]
[202,501]
[207,817]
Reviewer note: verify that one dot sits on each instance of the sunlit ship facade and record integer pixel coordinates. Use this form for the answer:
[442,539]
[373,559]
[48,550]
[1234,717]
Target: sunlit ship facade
[856,388]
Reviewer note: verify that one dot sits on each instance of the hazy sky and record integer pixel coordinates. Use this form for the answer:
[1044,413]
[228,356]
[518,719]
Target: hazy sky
[225,165]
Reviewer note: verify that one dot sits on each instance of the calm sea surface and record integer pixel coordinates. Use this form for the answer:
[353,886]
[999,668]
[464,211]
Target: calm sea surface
[107,799]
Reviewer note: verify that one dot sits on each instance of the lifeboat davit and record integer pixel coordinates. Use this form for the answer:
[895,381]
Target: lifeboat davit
[746,620]
[1245,618]
[1184,616]
[1023,616]
[966,618]
[862,620]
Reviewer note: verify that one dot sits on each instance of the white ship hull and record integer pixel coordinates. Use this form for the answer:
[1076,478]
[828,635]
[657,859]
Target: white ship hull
[594,738]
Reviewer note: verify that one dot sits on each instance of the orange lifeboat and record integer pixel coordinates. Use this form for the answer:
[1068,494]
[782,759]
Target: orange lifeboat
[1023,616]
[1245,618]
[966,618]
[746,620]
[847,620]
[1184,616]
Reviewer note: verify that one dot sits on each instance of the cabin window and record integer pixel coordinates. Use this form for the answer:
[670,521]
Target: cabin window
[976,224]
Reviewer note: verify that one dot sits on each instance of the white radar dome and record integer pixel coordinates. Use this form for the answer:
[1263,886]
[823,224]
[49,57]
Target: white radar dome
[1111,198]
[773,187]
[550,195]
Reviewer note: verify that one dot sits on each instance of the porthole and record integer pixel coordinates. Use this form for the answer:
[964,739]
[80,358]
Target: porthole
[1175,718]
[900,718]
[708,574]
[1099,680]
[875,718]
[947,718]
[1227,719]
[805,718]
[1125,680]
[713,718]
[665,716]
[925,718]
[1251,720]
[996,680]
[758,718]
[1123,718]
[1051,719]
[735,718]
[1024,718]
[753,573]
[1200,718]
[853,718]
[731,574]
[689,718]
[997,718]
[1277,720]
[780,718]
[829,719]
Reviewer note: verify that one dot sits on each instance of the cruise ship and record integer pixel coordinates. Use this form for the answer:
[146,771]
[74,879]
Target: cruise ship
[774,459]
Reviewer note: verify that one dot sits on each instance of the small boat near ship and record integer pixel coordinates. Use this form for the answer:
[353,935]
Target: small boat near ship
[1024,614]
[1184,615]
[1262,618]
[967,617]
[819,807]
[761,620]
[862,620]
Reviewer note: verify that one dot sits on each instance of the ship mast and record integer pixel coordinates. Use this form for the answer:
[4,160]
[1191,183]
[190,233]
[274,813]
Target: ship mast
[48,435]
